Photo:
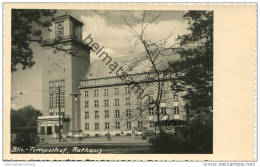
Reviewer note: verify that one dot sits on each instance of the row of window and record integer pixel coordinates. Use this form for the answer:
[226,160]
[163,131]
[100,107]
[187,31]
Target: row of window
[57,96]
[56,113]
[129,113]
[117,125]
[127,101]
[96,93]
[56,83]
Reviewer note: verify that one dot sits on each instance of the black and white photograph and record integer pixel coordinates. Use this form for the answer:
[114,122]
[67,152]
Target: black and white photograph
[130,82]
[111,81]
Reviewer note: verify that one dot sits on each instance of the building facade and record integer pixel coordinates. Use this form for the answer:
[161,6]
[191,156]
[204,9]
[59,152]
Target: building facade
[66,58]
[94,107]
[110,105]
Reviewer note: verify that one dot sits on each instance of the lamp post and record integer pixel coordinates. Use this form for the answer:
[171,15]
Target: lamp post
[76,114]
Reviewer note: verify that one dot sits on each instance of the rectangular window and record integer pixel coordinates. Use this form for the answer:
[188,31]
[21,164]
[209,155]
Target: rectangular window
[62,100]
[51,113]
[128,113]
[96,126]
[62,83]
[59,28]
[176,110]
[127,101]
[106,92]
[106,103]
[117,125]
[106,125]
[128,125]
[163,99]
[116,79]
[86,104]
[151,124]
[86,115]
[96,103]
[106,114]
[51,100]
[117,113]
[96,114]
[150,87]
[127,90]
[175,97]
[116,91]
[86,126]
[151,112]
[95,93]
[163,110]
[140,124]
[57,100]
[116,102]
[86,93]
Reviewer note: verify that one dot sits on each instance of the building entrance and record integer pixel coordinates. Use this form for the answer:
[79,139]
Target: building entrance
[49,130]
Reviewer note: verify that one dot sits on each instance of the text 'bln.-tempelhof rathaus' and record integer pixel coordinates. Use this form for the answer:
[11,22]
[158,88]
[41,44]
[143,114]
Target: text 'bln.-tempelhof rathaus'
[96,106]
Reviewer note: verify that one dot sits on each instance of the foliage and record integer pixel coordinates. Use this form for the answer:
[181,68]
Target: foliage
[201,138]
[23,30]
[195,68]
[24,117]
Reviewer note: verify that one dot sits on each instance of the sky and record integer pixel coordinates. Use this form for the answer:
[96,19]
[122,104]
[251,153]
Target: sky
[108,29]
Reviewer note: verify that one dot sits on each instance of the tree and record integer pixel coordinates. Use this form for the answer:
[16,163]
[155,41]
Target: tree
[153,51]
[195,68]
[26,26]
[24,117]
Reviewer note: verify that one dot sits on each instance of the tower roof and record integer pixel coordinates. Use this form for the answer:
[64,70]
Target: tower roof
[65,16]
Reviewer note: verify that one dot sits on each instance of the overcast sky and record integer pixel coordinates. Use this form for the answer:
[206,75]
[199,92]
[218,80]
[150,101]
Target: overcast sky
[108,29]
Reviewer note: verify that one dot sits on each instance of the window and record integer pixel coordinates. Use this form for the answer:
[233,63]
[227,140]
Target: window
[163,110]
[116,91]
[117,125]
[106,92]
[140,124]
[150,87]
[96,103]
[96,114]
[56,100]
[106,125]
[86,93]
[151,112]
[175,97]
[116,102]
[106,103]
[116,80]
[96,126]
[62,100]
[151,124]
[106,114]
[87,126]
[106,81]
[59,27]
[128,112]
[127,90]
[51,113]
[150,98]
[128,125]
[127,101]
[51,100]
[86,115]
[86,104]
[176,110]
[117,113]
[163,99]
[62,83]
[95,93]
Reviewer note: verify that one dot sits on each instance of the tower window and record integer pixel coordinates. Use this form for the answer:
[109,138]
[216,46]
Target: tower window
[59,27]
[51,100]
[62,99]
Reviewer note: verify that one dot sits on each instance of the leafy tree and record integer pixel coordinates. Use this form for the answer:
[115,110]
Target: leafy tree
[195,68]
[24,117]
[26,25]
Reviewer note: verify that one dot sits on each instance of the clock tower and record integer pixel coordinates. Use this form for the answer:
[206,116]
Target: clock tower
[65,61]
